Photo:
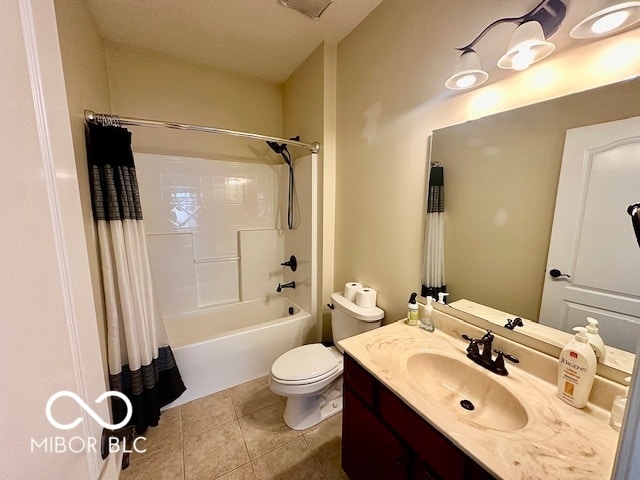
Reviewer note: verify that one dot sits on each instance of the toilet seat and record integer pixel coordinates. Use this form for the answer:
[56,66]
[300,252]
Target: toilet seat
[304,365]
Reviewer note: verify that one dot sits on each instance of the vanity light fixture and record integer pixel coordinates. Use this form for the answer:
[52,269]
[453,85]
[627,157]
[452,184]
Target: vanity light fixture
[528,44]
[607,17]
[468,72]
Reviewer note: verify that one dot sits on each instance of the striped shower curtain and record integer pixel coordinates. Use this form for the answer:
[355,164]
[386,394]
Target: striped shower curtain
[433,251]
[141,363]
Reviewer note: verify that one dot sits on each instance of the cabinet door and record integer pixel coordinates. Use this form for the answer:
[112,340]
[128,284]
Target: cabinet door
[433,449]
[369,449]
[360,381]
[422,471]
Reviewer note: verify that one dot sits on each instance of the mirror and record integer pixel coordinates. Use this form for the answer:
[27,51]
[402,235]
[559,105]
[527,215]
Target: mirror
[501,176]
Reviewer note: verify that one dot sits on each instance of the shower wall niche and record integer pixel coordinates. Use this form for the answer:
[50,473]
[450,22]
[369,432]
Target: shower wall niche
[216,230]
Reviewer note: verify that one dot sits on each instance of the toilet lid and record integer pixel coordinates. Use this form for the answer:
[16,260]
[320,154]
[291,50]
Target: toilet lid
[304,363]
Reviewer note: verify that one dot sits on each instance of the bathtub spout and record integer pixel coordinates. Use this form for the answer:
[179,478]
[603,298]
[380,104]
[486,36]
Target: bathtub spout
[285,285]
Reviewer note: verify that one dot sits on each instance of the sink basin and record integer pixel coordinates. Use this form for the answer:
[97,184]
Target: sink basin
[466,391]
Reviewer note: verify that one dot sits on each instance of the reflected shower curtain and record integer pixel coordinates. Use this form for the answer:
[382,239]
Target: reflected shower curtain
[141,363]
[433,251]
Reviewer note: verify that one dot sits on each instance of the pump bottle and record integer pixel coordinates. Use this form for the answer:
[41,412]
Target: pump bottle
[576,370]
[595,340]
[412,310]
[426,322]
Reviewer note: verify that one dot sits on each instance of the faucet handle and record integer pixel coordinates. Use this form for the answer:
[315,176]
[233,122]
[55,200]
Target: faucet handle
[498,363]
[472,349]
[508,356]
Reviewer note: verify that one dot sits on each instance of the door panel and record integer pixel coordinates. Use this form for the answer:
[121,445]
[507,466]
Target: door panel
[592,239]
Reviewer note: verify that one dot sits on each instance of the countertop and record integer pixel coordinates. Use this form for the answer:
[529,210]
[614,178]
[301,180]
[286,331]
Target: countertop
[558,442]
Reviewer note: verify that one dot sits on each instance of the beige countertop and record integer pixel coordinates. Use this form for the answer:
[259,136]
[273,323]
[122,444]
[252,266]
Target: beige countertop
[557,442]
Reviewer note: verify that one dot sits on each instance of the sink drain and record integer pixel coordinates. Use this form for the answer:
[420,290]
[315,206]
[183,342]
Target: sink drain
[467,405]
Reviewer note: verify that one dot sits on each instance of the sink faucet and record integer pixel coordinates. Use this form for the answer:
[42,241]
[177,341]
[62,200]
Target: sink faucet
[484,357]
[513,323]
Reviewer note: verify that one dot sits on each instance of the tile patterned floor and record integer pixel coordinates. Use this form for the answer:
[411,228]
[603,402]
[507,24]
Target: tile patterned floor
[237,434]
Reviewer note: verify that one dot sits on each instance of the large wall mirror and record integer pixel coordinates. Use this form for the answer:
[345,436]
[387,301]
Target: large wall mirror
[501,178]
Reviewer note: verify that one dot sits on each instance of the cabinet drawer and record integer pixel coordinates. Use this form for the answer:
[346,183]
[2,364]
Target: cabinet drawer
[430,446]
[359,380]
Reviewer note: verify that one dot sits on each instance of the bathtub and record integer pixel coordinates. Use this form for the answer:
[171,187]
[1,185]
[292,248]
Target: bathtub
[219,347]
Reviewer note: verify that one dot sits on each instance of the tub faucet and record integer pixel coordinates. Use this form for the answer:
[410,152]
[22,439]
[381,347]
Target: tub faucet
[285,285]
[485,358]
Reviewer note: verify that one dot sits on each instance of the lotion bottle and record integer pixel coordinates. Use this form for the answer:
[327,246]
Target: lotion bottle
[426,323]
[576,370]
[595,340]
[412,310]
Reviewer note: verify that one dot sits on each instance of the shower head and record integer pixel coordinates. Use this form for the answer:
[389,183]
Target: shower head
[276,147]
[281,148]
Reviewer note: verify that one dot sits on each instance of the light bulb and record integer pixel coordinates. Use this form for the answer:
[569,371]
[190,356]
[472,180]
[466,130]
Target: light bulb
[609,22]
[466,81]
[522,59]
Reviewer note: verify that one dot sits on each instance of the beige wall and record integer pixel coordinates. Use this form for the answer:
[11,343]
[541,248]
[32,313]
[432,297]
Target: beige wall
[148,85]
[391,71]
[85,76]
[309,111]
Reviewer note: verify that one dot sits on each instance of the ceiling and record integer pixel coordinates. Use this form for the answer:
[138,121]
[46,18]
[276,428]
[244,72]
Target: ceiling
[260,38]
[264,39]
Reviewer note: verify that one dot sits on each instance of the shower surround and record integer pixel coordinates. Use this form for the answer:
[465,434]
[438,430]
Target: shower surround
[216,233]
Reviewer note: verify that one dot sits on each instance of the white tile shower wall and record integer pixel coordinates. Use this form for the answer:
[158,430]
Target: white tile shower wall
[217,282]
[171,257]
[259,274]
[298,241]
[208,201]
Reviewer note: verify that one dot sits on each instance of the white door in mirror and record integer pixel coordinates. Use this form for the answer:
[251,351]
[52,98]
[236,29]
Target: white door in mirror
[592,240]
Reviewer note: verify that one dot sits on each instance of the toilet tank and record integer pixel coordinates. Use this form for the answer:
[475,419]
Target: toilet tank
[349,319]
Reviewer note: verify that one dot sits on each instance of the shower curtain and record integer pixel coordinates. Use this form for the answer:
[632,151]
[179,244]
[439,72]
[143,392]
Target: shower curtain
[141,363]
[433,251]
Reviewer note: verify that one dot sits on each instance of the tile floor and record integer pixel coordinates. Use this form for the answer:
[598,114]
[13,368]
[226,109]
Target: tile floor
[237,434]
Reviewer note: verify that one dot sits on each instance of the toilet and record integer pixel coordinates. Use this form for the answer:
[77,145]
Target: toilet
[310,376]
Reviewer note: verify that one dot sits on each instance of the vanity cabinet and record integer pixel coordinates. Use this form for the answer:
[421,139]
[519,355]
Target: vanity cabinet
[382,437]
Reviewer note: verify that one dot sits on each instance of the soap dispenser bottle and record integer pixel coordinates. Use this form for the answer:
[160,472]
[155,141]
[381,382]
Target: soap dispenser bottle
[426,322]
[595,340]
[576,370]
[441,298]
[412,310]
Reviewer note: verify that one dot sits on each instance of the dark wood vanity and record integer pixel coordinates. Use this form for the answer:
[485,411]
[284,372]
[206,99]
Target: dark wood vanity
[383,438]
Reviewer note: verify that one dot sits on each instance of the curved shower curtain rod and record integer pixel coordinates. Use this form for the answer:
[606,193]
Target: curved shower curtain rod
[116,120]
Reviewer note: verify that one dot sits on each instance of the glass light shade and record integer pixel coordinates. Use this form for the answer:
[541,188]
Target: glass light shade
[527,46]
[607,17]
[468,72]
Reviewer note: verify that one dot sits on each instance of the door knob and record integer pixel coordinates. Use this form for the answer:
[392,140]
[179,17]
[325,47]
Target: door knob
[555,273]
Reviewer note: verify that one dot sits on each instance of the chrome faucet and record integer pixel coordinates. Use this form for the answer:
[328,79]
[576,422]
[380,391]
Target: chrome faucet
[479,350]
[285,285]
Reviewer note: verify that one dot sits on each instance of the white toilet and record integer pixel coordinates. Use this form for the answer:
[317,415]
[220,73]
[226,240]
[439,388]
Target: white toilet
[310,376]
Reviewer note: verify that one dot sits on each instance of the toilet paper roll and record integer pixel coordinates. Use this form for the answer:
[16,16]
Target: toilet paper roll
[350,290]
[366,297]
